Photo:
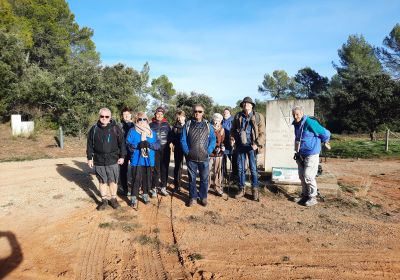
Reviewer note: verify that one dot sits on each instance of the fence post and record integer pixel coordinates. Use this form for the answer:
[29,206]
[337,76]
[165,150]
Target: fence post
[387,140]
[61,137]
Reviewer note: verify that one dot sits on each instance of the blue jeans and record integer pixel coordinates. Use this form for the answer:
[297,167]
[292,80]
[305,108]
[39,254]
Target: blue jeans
[244,151]
[192,167]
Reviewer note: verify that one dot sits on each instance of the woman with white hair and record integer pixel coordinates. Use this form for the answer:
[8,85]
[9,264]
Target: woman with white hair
[215,179]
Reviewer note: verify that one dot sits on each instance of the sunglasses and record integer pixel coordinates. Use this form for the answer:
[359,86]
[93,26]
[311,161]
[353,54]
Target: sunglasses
[198,112]
[104,117]
[142,119]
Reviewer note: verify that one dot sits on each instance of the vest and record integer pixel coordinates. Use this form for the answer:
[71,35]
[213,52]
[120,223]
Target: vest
[198,139]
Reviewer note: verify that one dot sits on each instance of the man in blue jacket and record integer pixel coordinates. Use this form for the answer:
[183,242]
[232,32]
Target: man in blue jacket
[308,136]
[198,142]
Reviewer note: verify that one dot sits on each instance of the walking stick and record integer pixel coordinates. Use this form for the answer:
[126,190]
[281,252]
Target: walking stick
[229,181]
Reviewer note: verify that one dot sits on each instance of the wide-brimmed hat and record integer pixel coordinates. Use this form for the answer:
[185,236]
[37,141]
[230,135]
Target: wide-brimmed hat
[247,99]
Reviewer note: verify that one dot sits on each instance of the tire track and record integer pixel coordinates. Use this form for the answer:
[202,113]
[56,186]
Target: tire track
[149,260]
[90,265]
[175,240]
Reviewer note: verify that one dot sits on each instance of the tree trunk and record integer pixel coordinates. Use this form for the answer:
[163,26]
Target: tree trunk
[372,135]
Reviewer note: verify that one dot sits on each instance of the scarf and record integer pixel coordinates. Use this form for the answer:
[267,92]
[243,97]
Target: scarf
[144,131]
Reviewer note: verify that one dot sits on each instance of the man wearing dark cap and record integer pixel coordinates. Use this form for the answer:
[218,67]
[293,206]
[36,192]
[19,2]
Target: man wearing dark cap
[248,134]
[160,176]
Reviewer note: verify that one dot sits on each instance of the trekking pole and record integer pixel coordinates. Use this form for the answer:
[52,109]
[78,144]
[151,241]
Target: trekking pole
[228,179]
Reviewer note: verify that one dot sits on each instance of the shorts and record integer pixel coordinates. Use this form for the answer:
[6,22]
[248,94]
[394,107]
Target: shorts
[107,174]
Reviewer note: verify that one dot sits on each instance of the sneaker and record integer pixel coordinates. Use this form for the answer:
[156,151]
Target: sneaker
[190,202]
[114,203]
[224,196]
[163,191]
[134,202]
[146,198]
[311,201]
[240,193]
[204,202]
[177,190]
[103,205]
[219,191]
[153,193]
[256,194]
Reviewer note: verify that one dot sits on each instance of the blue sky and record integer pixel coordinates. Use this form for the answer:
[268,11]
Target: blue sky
[224,48]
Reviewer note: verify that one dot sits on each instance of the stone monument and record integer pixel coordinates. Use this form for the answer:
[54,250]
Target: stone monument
[279,132]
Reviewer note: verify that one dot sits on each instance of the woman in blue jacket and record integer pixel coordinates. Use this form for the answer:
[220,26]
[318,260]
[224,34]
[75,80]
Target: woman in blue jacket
[142,142]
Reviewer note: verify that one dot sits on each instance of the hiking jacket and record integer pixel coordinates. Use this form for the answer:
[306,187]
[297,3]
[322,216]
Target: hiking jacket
[257,129]
[176,134]
[310,133]
[194,146]
[227,125]
[219,142]
[162,129]
[133,141]
[105,145]
[126,126]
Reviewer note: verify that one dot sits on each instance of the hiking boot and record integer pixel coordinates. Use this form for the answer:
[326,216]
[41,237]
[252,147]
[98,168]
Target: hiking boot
[177,189]
[204,202]
[240,193]
[301,199]
[103,205]
[311,201]
[146,198]
[163,191]
[153,193]
[134,202]
[190,202]
[256,194]
[114,203]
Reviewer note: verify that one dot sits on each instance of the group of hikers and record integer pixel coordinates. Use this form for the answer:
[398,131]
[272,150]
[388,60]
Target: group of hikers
[145,146]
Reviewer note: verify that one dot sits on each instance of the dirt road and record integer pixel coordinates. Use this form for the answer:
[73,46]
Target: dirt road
[50,229]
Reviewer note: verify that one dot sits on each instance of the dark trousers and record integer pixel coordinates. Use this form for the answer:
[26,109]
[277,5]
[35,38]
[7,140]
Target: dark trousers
[141,178]
[123,174]
[178,159]
[161,167]
[233,158]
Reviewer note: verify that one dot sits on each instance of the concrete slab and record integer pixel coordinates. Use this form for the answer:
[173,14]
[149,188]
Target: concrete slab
[327,186]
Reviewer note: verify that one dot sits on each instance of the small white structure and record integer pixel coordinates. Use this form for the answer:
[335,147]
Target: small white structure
[20,128]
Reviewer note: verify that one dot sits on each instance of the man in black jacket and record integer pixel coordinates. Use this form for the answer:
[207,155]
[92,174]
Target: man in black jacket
[126,124]
[105,151]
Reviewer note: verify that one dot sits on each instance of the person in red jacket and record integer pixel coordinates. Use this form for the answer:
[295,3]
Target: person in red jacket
[160,176]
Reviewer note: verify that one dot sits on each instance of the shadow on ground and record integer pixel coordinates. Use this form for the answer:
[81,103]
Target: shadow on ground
[12,261]
[81,177]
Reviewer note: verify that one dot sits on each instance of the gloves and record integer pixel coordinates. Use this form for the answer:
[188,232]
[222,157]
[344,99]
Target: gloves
[143,144]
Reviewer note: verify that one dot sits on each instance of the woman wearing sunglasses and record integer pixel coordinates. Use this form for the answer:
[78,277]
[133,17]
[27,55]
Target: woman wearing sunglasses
[142,142]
